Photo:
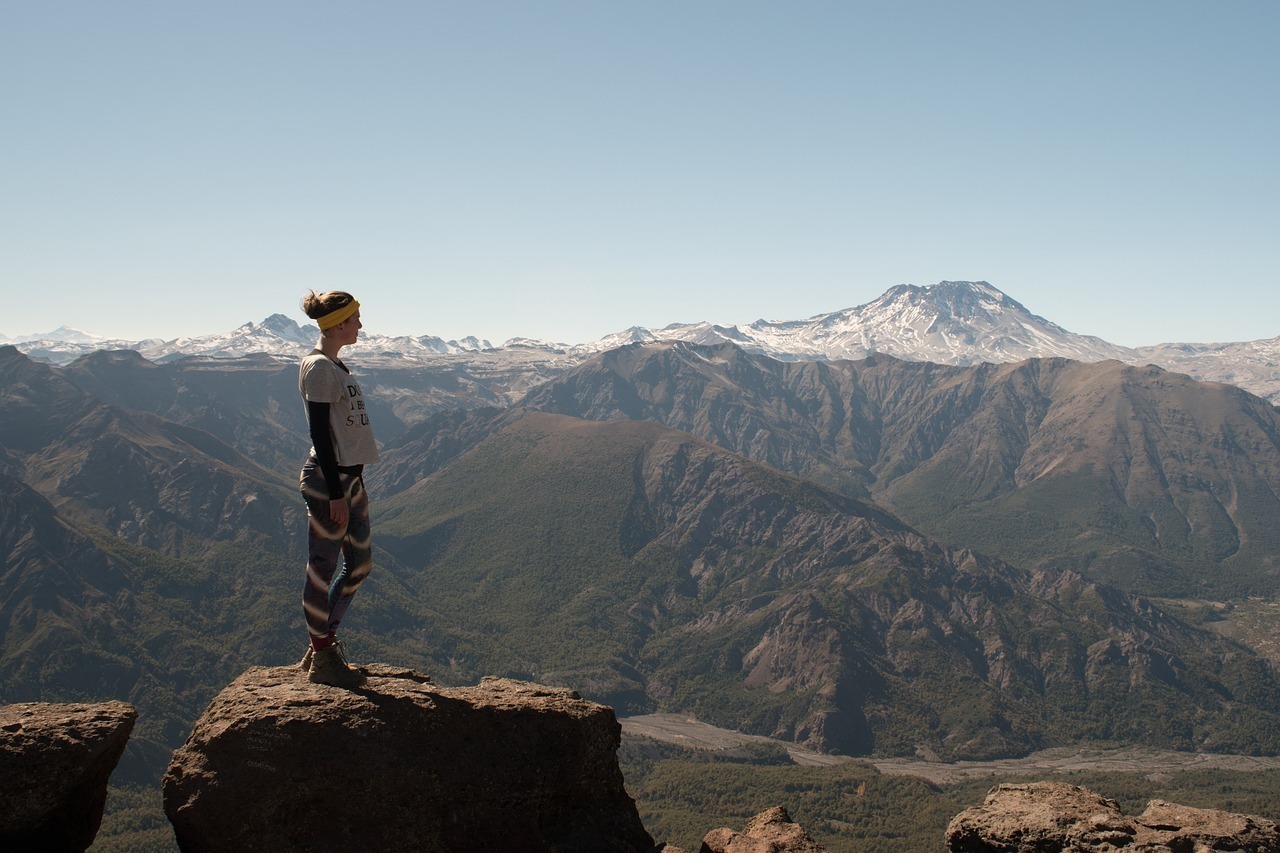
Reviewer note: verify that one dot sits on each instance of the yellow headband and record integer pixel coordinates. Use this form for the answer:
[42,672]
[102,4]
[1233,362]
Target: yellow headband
[338,316]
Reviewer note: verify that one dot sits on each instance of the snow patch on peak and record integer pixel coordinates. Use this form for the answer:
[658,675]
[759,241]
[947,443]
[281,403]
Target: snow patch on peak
[63,334]
[536,343]
[951,322]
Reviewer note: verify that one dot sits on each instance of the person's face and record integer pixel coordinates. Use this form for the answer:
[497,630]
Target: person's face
[349,329]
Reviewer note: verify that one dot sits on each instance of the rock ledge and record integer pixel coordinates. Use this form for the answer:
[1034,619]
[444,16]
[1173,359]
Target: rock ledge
[400,764]
[55,760]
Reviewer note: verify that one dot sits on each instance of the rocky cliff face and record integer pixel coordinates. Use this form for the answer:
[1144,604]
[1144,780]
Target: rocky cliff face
[1057,816]
[54,764]
[400,764]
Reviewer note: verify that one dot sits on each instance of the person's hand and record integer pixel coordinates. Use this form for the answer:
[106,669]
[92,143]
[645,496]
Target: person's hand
[338,511]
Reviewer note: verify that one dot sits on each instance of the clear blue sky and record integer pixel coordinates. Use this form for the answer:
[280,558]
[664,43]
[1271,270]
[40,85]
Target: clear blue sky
[563,170]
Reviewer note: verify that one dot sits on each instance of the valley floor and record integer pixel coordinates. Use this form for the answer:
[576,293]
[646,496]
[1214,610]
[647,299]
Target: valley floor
[681,730]
[1253,621]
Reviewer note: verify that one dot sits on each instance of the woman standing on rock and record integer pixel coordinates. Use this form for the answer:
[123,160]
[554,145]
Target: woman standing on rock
[332,485]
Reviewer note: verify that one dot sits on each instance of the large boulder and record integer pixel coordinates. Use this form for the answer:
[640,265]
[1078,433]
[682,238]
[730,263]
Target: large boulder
[1055,816]
[279,763]
[1186,828]
[55,761]
[771,831]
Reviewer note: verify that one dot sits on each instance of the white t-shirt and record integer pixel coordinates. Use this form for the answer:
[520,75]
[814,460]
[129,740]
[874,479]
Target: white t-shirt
[320,380]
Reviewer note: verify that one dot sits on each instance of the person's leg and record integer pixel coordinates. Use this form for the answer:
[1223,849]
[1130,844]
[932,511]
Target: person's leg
[357,555]
[324,547]
[325,544]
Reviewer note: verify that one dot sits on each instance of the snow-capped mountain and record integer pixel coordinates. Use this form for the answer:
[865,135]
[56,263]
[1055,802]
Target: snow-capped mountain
[962,323]
[951,322]
[276,335]
[64,334]
[1251,365]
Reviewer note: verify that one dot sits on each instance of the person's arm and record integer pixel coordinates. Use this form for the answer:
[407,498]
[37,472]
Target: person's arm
[322,441]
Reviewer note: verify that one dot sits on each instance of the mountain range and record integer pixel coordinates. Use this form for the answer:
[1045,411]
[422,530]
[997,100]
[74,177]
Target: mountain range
[871,555]
[1140,477]
[959,323]
[934,525]
[654,569]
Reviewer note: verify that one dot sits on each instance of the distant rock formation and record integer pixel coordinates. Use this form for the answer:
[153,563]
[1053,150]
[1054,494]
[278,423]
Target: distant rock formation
[278,763]
[1048,816]
[771,831]
[55,761]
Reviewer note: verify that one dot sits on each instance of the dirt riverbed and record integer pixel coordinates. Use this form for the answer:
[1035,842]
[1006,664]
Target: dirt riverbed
[682,730]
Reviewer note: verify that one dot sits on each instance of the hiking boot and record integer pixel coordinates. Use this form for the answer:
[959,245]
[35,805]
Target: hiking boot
[329,667]
[305,663]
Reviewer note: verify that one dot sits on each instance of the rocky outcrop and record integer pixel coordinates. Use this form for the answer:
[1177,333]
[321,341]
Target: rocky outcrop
[771,831]
[55,761]
[278,763]
[1047,816]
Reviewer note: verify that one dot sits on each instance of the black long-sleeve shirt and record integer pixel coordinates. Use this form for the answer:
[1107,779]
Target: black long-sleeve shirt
[322,445]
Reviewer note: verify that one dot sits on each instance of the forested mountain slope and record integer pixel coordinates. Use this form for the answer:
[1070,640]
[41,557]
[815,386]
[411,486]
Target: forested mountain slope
[652,569]
[1144,478]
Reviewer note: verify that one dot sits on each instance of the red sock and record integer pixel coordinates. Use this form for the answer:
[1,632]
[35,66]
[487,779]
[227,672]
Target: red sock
[320,643]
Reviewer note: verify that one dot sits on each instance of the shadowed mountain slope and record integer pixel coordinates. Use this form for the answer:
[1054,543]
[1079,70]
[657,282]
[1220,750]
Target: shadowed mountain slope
[651,569]
[142,558]
[1137,476]
[89,618]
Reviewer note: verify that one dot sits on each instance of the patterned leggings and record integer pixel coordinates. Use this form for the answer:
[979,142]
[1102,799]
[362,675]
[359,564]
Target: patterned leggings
[328,591]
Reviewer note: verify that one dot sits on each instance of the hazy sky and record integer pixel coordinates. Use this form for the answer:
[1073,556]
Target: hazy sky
[563,170]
